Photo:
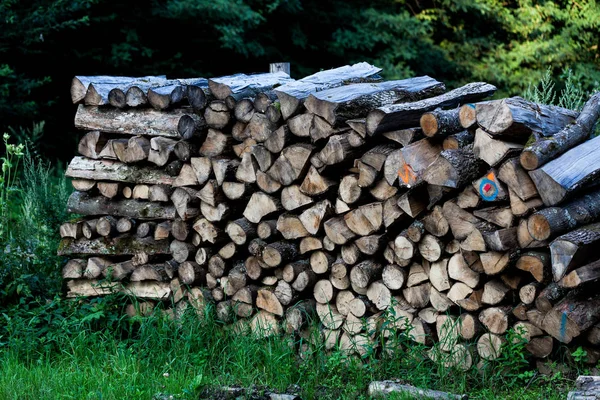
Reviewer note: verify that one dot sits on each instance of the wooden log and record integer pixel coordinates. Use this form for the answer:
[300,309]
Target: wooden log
[414,202]
[454,168]
[384,388]
[460,271]
[240,231]
[314,184]
[241,86]
[122,245]
[259,206]
[493,151]
[349,190]
[369,245]
[575,170]
[521,208]
[440,123]
[519,118]
[146,122]
[337,230]
[362,274]
[278,253]
[524,237]
[235,190]
[544,150]
[162,230]
[208,231]
[292,94]
[74,268]
[216,143]
[346,102]
[103,170]
[489,346]
[431,248]
[495,319]
[500,216]
[556,220]
[458,140]
[587,274]
[573,249]
[184,199]
[572,316]
[366,219]
[458,292]
[408,164]
[406,115]
[259,128]
[291,164]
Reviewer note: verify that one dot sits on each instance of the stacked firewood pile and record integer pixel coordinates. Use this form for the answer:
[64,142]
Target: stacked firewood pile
[345,197]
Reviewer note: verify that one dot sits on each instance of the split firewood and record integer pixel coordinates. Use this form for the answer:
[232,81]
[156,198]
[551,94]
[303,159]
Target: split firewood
[573,249]
[521,208]
[337,231]
[493,151]
[524,237]
[369,245]
[494,292]
[365,220]
[418,296]
[259,128]
[406,115]
[546,149]
[572,316]
[415,201]
[208,231]
[460,271]
[416,275]
[501,240]
[573,171]
[291,227]
[408,164]
[380,295]
[291,163]
[454,168]
[259,206]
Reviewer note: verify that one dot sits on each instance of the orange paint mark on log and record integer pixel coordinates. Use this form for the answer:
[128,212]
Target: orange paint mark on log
[407,175]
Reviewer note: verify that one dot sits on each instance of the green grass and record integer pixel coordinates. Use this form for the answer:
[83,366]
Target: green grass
[65,350]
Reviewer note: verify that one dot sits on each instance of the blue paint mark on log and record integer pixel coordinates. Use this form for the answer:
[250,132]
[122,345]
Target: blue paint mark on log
[488,195]
[563,327]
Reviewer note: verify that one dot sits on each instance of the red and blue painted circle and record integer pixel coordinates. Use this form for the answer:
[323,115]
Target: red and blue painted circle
[488,190]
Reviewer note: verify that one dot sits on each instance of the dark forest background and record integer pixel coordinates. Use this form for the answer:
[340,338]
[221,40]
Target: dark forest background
[511,44]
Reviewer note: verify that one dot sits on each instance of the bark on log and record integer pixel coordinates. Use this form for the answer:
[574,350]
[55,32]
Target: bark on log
[575,170]
[347,102]
[440,123]
[544,150]
[454,168]
[240,86]
[406,115]
[573,249]
[292,94]
[519,118]
[105,170]
[122,245]
[83,203]
[556,220]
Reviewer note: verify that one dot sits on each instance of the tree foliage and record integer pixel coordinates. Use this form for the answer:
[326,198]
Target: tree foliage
[510,43]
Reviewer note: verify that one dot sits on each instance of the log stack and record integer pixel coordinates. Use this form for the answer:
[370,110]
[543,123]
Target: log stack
[344,197]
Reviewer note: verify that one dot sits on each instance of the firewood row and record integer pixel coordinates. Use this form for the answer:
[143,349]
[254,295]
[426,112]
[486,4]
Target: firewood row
[345,198]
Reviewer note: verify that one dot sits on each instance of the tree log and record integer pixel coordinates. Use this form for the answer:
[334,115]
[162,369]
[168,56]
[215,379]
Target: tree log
[544,150]
[406,115]
[573,249]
